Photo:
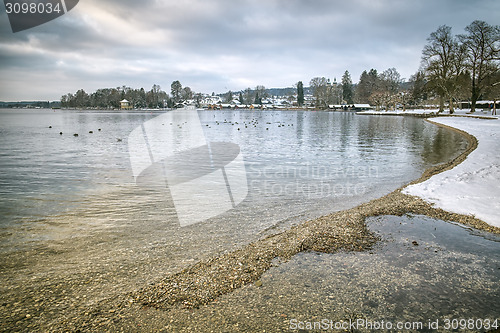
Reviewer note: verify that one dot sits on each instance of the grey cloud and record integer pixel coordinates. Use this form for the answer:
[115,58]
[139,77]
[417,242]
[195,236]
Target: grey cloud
[224,44]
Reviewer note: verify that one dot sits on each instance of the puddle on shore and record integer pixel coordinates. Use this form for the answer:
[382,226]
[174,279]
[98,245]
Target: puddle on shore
[424,270]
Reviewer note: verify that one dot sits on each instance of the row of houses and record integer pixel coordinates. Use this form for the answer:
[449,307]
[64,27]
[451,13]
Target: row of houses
[283,106]
[247,106]
[350,107]
[480,104]
[272,102]
[275,103]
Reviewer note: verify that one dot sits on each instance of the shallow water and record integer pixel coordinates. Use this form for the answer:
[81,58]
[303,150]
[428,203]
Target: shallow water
[426,275]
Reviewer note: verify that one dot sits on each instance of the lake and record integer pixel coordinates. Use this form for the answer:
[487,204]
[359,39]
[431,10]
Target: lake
[298,165]
[105,212]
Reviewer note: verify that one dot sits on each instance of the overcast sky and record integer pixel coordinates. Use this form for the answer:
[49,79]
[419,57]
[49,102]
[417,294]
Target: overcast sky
[221,45]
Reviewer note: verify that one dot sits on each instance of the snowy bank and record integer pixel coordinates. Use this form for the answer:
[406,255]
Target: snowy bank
[472,187]
[399,112]
[431,112]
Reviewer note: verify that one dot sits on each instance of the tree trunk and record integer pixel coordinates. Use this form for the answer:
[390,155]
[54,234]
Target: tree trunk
[441,104]
[452,110]
[474,97]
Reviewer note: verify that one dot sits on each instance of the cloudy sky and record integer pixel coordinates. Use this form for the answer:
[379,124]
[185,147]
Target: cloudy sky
[221,45]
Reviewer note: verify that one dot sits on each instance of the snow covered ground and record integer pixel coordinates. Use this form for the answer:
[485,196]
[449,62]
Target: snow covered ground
[458,112]
[473,187]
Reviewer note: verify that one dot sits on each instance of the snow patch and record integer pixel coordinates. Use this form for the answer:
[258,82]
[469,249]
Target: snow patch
[472,187]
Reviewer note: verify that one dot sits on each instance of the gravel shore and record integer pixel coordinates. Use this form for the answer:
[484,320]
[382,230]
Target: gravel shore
[206,281]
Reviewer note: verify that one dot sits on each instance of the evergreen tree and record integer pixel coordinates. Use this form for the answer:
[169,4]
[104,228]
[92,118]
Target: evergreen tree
[347,87]
[175,91]
[257,99]
[300,93]
[418,92]
[110,98]
[363,89]
[198,97]
[142,98]
[369,82]
[82,99]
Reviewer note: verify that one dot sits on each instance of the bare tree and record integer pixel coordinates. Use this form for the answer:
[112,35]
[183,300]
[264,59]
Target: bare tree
[443,61]
[482,43]
[262,92]
[155,96]
[379,98]
[198,97]
[493,90]
[390,81]
[186,94]
[228,97]
[319,87]
[248,96]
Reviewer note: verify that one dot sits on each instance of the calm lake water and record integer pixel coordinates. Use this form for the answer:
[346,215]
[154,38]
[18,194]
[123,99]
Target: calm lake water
[88,217]
[298,165]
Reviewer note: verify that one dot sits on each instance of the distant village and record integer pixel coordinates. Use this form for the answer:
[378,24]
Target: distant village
[126,98]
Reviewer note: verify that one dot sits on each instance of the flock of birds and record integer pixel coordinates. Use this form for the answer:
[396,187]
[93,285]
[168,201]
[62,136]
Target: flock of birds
[90,132]
[253,122]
